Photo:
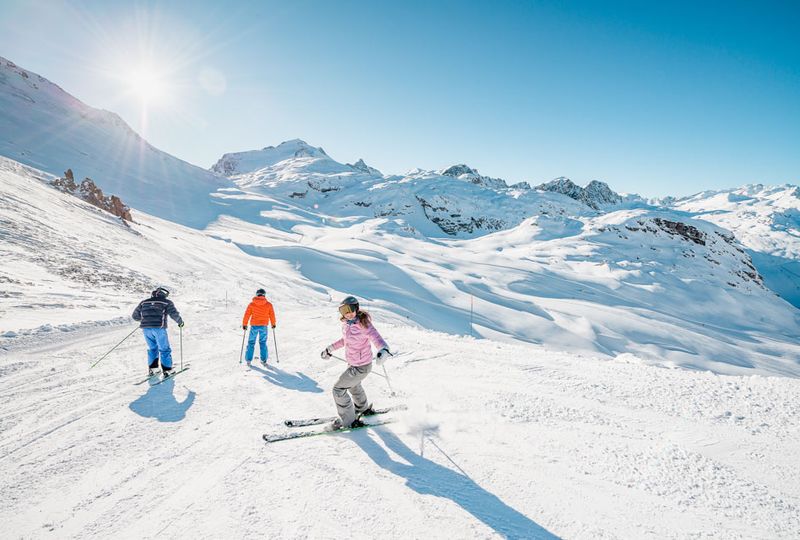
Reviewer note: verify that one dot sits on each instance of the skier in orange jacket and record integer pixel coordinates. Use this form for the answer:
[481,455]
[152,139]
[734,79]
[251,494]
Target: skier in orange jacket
[259,314]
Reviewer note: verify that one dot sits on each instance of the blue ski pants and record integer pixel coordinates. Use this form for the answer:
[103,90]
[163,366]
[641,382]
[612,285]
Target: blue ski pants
[158,346]
[259,332]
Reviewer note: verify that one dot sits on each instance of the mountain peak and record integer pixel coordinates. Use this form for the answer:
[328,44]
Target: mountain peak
[595,195]
[360,165]
[468,174]
[298,147]
[252,160]
[457,170]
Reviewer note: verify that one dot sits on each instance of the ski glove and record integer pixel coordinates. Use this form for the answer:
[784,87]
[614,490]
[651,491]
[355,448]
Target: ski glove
[382,355]
[325,354]
[244,327]
[273,327]
[180,324]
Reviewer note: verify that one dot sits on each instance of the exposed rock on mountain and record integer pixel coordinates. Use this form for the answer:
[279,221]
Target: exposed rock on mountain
[467,174]
[595,195]
[449,217]
[89,192]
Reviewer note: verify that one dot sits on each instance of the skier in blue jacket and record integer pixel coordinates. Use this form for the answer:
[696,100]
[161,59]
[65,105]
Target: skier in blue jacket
[152,314]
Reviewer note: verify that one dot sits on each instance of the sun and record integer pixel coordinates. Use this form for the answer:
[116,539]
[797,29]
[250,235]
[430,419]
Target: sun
[146,83]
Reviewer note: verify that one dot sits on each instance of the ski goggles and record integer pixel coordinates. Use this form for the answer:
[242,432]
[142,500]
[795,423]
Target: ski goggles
[344,309]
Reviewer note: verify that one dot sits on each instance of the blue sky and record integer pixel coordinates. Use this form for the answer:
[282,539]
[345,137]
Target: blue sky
[660,99]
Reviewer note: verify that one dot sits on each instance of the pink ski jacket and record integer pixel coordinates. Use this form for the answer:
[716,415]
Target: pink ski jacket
[356,340]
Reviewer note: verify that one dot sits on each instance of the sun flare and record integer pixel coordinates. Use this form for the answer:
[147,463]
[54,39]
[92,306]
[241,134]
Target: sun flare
[146,83]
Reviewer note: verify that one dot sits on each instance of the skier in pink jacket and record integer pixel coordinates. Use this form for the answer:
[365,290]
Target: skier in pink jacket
[358,335]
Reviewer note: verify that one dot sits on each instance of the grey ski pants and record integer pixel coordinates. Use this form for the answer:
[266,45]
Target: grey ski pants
[350,383]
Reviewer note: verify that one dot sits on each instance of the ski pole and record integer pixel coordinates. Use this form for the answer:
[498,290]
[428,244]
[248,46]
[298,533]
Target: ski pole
[114,347]
[391,390]
[241,352]
[275,340]
[181,334]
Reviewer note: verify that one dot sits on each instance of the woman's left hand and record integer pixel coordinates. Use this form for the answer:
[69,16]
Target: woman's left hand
[382,355]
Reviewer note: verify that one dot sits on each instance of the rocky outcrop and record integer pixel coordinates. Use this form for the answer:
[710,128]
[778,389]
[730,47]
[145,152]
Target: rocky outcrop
[363,167]
[687,232]
[467,174]
[227,165]
[595,195]
[714,247]
[448,218]
[89,192]
[598,194]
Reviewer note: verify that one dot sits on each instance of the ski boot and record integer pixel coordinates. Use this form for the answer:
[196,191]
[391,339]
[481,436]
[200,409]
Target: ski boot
[368,411]
[337,425]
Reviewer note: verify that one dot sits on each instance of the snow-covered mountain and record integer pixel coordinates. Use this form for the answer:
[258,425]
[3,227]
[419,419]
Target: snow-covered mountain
[453,202]
[766,220]
[581,267]
[595,195]
[245,162]
[43,126]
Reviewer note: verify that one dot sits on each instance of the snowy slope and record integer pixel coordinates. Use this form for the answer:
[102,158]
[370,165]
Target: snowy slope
[501,440]
[67,263]
[459,253]
[43,126]
[766,219]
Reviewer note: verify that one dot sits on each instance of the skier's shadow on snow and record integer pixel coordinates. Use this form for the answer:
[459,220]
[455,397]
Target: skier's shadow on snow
[293,381]
[160,403]
[429,478]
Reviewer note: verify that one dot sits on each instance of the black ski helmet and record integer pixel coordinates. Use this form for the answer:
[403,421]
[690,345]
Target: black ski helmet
[349,304]
[161,291]
[261,292]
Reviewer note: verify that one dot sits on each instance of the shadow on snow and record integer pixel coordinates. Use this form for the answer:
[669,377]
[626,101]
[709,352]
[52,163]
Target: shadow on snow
[292,381]
[160,403]
[429,478]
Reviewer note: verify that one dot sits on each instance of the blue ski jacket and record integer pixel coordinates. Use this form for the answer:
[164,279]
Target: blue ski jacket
[152,312]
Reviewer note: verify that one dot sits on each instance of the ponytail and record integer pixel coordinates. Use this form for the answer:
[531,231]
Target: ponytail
[364,319]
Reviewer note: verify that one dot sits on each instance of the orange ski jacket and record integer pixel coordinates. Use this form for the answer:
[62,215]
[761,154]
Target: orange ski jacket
[259,313]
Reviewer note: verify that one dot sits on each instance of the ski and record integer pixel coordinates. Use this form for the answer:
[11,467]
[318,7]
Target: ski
[149,377]
[276,437]
[157,373]
[171,375]
[325,419]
